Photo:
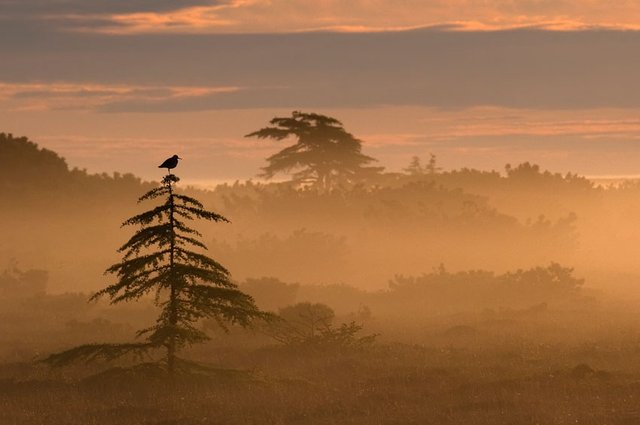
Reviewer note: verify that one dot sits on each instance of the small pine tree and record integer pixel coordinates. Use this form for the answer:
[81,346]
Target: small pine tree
[415,167]
[188,286]
[432,167]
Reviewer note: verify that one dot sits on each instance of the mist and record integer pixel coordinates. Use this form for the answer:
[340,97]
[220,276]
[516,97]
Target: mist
[427,295]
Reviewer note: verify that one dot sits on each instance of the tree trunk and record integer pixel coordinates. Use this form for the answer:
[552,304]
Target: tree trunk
[173,296]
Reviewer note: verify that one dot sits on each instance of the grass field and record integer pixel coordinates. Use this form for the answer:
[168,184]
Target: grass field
[387,383]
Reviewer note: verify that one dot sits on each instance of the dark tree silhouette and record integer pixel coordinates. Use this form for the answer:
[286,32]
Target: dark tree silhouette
[188,286]
[324,156]
[24,165]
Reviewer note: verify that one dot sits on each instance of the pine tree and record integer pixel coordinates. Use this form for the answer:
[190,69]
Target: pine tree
[188,286]
[325,155]
[415,167]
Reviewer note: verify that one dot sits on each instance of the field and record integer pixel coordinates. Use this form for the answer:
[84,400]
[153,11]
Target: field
[535,366]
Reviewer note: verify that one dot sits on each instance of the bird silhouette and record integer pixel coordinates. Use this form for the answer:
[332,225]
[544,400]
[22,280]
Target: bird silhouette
[170,163]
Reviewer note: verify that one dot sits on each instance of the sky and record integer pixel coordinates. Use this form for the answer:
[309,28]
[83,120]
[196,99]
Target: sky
[119,85]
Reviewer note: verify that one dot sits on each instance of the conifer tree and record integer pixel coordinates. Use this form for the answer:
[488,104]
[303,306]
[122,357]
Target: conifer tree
[161,258]
[416,168]
[324,156]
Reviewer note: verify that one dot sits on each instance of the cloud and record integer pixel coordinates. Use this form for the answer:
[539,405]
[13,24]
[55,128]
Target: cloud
[116,16]
[518,69]
[525,68]
[92,97]
[285,16]
[278,16]
[47,8]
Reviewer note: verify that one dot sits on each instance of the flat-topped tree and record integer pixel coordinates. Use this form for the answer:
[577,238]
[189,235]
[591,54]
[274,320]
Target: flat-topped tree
[161,258]
[324,156]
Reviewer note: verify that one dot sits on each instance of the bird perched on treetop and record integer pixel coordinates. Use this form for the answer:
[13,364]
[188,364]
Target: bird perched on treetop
[170,163]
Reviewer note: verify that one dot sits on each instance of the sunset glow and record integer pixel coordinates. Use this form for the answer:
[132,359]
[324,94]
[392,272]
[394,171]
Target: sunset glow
[264,16]
[553,79]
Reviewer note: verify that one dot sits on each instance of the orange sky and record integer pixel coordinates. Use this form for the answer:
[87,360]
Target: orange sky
[117,85]
[241,16]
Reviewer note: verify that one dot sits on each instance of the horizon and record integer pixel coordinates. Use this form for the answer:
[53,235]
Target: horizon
[210,183]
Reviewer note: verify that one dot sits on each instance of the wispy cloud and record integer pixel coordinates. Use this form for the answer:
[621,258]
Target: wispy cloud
[477,134]
[92,97]
[35,9]
[285,16]
[277,16]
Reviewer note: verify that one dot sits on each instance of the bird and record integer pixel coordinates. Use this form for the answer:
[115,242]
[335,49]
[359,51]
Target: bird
[170,163]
